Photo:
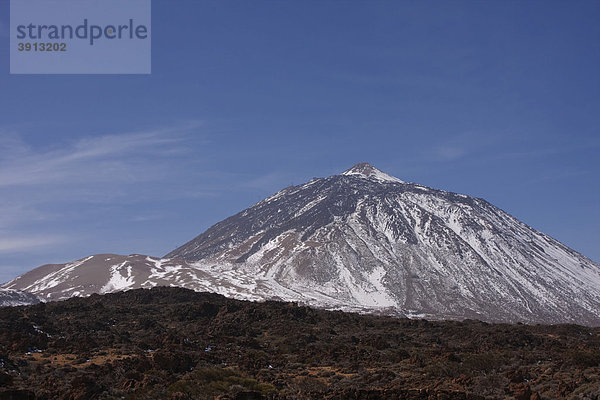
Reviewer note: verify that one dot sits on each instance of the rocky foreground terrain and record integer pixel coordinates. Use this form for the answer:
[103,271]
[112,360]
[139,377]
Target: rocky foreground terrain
[173,343]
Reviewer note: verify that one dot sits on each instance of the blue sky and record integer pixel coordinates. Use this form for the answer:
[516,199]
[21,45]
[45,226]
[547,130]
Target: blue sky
[495,99]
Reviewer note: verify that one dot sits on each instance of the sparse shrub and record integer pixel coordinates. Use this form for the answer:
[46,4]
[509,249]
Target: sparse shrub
[443,368]
[481,362]
[213,381]
[308,384]
[490,385]
[584,358]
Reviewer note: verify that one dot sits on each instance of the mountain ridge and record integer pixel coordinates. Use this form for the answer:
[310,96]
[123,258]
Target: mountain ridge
[14,297]
[366,241]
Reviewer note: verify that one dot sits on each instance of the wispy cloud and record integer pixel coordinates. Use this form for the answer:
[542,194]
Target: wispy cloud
[466,144]
[537,151]
[450,152]
[9,272]
[145,218]
[269,182]
[16,244]
[108,157]
[48,188]
[13,212]
[494,146]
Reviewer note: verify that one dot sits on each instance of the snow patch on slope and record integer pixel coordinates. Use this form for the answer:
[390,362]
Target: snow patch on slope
[119,281]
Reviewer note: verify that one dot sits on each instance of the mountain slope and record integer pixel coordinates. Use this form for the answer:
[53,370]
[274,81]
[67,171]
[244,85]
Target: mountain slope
[108,273]
[363,241]
[12,297]
[364,238]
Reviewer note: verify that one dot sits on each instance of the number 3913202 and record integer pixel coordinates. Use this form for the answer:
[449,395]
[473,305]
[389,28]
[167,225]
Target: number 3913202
[42,46]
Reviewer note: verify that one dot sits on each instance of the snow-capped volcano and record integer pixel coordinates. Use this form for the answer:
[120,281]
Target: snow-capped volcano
[367,241]
[367,171]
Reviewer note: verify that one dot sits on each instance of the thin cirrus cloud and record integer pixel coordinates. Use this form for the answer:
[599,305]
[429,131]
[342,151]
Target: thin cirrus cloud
[40,187]
[109,157]
[503,146]
[464,145]
[450,153]
[12,244]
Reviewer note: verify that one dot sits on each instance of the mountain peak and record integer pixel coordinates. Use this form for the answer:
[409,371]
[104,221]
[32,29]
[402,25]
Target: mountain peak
[360,242]
[367,171]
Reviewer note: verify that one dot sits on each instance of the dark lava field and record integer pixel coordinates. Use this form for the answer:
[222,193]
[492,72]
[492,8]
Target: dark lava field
[169,343]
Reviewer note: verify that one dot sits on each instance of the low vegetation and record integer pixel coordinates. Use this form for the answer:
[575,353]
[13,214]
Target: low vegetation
[169,343]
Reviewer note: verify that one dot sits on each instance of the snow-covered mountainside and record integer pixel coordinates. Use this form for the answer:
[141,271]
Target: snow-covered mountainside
[12,297]
[107,273]
[363,241]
